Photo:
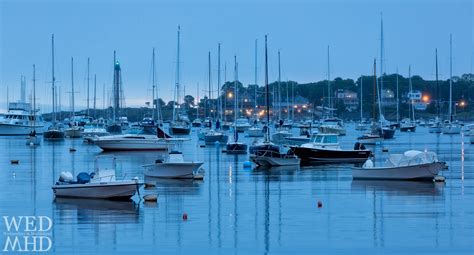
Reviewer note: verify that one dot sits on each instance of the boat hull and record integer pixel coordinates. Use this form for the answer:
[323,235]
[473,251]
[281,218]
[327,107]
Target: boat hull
[9,129]
[116,190]
[275,161]
[53,134]
[407,128]
[181,170]
[124,145]
[322,156]
[236,148]
[73,133]
[180,130]
[414,172]
[212,139]
[255,132]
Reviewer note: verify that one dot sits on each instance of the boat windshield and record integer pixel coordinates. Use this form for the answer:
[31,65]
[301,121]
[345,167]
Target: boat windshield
[318,139]
[330,139]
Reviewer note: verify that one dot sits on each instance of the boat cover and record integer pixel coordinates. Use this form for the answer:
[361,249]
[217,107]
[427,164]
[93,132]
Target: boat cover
[411,157]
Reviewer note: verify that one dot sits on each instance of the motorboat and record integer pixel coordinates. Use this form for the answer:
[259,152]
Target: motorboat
[325,149]
[451,128]
[197,122]
[236,147]
[279,137]
[370,139]
[100,184]
[411,165]
[173,167]
[137,141]
[215,136]
[255,131]
[435,126]
[20,119]
[94,130]
[242,124]
[332,126]
[74,131]
[305,136]
[468,129]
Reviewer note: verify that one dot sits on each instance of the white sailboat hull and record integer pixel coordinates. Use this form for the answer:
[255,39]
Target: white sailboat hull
[413,172]
[122,144]
[274,161]
[178,170]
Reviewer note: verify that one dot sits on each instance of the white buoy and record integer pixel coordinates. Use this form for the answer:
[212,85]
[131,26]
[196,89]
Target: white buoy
[439,178]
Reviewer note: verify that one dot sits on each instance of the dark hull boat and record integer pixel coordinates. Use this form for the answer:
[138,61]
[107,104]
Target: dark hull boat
[322,156]
[236,148]
[53,134]
[388,133]
[114,129]
[180,130]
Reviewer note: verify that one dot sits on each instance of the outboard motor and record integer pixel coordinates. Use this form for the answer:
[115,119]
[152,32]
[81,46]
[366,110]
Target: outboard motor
[66,177]
[359,146]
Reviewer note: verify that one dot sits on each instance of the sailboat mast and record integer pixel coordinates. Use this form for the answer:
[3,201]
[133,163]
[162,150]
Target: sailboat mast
[34,96]
[329,89]
[236,100]
[95,95]
[255,81]
[267,135]
[88,79]
[361,91]
[437,84]
[410,115]
[153,86]
[209,80]
[53,79]
[176,93]
[219,81]
[450,77]
[381,57]
[279,87]
[398,101]
[72,86]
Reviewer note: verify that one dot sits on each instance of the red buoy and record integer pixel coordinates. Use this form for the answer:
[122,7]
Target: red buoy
[320,204]
[185,216]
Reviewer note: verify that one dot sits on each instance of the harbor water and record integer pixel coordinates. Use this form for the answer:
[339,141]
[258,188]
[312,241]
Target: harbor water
[237,210]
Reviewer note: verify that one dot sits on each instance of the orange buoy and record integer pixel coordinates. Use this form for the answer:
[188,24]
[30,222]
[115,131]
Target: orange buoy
[320,204]
[185,216]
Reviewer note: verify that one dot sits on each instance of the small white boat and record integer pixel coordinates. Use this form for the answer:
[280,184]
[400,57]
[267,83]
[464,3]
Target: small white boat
[215,136]
[411,165]
[101,184]
[332,126]
[370,139]
[91,131]
[173,167]
[451,129]
[255,131]
[242,124]
[279,137]
[73,132]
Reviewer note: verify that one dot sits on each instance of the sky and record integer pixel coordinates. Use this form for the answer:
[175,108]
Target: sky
[301,30]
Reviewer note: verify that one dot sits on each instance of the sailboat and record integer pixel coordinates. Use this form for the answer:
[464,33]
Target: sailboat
[55,131]
[331,125]
[409,125]
[282,132]
[74,130]
[435,127]
[266,153]
[180,124]
[32,137]
[197,121]
[236,147]
[450,127]
[214,136]
[362,125]
[255,130]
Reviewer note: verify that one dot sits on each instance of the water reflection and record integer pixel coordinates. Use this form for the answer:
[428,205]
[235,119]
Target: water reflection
[95,211]
[398,188]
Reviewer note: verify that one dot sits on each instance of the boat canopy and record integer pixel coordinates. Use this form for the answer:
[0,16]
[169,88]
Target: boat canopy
[411,157]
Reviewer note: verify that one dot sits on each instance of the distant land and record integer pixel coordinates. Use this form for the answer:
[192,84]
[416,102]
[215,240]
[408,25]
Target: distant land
[315,94]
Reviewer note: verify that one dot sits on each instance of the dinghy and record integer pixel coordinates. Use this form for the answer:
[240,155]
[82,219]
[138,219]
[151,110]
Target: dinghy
[411,165]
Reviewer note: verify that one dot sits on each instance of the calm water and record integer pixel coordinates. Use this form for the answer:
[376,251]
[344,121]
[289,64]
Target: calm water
[249,211]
